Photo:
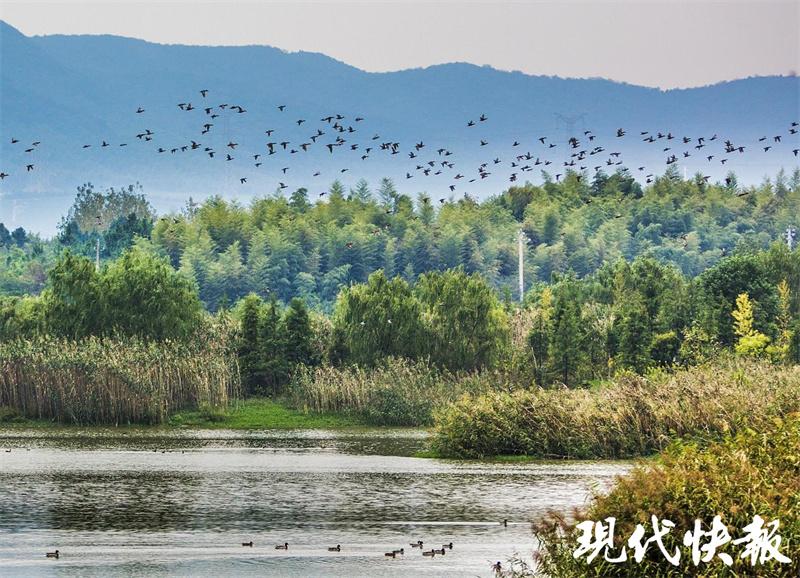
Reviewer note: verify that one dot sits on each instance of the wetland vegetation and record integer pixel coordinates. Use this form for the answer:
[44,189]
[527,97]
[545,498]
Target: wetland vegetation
[667,326]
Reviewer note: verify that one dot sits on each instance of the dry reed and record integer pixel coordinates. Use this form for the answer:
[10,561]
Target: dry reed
[115,381]
[633,416]
[397,392]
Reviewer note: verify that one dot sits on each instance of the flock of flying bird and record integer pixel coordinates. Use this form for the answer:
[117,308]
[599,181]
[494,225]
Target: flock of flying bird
[336,132]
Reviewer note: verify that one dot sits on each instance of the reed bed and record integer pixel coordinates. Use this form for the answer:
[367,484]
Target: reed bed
[397,392]
[633,416]
[115,380]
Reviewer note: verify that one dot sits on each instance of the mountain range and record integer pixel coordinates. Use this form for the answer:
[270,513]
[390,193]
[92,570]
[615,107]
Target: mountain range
[70,91]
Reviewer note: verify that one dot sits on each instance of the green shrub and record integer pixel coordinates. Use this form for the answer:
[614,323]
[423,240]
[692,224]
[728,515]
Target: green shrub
[212,413]
[751,473]
[9,415]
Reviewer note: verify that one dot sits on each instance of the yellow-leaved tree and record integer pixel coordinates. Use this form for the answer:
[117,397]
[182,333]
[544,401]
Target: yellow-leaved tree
[751,343]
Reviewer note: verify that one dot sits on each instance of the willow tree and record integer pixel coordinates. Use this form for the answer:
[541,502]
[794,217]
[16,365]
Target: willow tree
[467,324]
[378,319]
[143,295]
[73,301]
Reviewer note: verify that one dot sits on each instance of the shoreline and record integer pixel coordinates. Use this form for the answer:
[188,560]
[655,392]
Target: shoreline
[248,414]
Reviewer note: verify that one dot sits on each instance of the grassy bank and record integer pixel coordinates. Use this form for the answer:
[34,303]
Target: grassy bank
[750,473]
[261,413]
[632,416]
[249,414]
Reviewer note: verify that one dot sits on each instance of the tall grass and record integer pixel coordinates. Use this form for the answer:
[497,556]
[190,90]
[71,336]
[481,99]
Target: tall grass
[632,416]
[397,392]
[115,381]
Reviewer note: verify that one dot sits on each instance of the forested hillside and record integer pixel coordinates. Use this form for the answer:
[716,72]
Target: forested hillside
[312,246]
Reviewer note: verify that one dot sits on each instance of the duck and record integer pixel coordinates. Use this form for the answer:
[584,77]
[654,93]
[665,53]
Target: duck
[430,553]
[440,552]
[284,546]
[417,544]
[392,554]
[401,551]
[497,567]
[249,544]
[448,546]
[52,554]
[337,548]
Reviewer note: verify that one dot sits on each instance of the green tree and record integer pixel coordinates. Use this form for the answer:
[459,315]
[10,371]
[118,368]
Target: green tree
[539,335]
[249,350]
[387,193]
[299,200]
[94,212]
[74,303]
[635,335]
[274,367]
[378,319]
[5,236]
[793,354]
[720,286]
[565,351]
[361,192]
[19,236]
[466,324]
[298,335]
[145,296]
[123,232]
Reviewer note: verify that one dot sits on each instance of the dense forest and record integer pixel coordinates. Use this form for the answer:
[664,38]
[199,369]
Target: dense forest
[312,245]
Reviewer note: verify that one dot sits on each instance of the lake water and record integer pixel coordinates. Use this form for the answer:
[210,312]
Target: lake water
[132,503]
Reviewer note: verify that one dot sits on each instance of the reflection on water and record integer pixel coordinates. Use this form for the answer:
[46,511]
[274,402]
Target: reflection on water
[166,503]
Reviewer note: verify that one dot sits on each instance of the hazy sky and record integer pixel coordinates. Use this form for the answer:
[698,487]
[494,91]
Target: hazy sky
[650,42]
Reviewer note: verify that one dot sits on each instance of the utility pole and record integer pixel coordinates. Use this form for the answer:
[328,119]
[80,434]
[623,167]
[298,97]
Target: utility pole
[520,243]
[791,234]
